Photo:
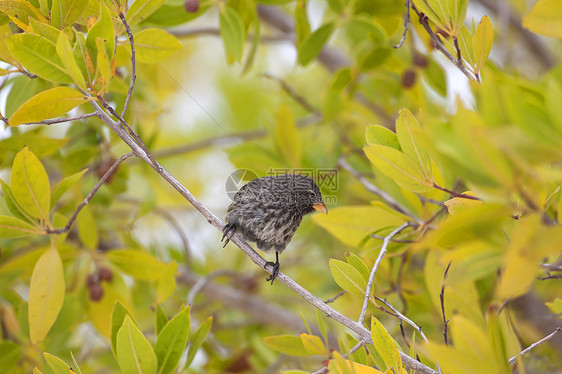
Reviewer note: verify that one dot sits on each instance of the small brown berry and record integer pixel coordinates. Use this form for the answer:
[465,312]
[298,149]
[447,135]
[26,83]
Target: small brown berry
[104,168]
[420,60]
[91,279]
[408,78]
[105,274]
[191,6]
[96,292]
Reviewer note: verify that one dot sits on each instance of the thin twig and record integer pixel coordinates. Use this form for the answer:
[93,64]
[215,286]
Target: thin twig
[353,349]
[292,93]
[133,68]
[376,266]
[406,24]
[535,345]
[53,121]
[550,276]
[403,317]
[439,45]
[552,267]
[107,174]
[331,300]
[455,194]
[377,191]
[442,299]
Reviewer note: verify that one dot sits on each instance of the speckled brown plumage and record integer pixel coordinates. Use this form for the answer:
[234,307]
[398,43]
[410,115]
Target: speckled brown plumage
[269,210]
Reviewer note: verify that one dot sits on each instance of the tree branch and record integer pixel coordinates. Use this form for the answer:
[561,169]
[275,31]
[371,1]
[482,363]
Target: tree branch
[376,266]
[53,121]
[535,345]
[107,174]
[377,191]
[442,299]
[133,63]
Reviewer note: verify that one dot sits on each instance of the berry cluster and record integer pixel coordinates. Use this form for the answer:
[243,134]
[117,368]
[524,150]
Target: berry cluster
[93,282]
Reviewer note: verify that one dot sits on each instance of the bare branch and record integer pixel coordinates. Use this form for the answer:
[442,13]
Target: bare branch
[376,266]
[292,93]
[213,31]
[393,240]
[442,299]
[455,194]
[107,174]
[53,121]
[439,45]
[403,318]
[331,300]
[535,345]
[377,191]
[552,267]
[406,24]
[133,63]
[550,276]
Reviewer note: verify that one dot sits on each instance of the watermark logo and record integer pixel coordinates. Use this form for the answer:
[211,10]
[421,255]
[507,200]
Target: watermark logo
[237,179]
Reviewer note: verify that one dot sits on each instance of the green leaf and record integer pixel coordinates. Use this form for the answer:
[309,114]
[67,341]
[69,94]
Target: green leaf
[385,346]
[545,18]
[347,277]
[359,265]
[134,353]
[30,184]
[11,228]
[407,129]
[46,30]
[48,104]
[14,207]
[377,134]
[46,294]
[63,186]
[137,263]
[198,340]
[302,26]
[65,12]
[161,319]
[102,29]
[171,342]
[482,42]
[287,344]
[399,167]
[103,64]
[11,354]
[233,32]
[141,9]
[435,77]
[66,55]
[56,364]
[155,45]
[287,137]
[117,317]
[39,56]
[313,43]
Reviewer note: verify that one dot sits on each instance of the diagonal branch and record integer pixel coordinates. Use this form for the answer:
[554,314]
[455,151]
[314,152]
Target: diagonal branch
[107,174]
[376,266]
[53,121]
[133,63]
[535,344]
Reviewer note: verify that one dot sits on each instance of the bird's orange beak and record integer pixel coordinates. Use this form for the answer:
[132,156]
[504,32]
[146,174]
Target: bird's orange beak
[321,207]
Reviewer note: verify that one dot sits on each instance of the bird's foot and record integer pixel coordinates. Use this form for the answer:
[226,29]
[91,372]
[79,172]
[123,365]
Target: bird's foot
[229,228]
[275,271]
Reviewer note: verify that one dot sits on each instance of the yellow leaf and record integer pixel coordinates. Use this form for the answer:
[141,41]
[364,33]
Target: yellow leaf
[340,366]
[64,52]
[482,42]
[287,344]
[313,345]
[29,183]
[287,136]
[385,345]
[399,167]
[46,294]
[407,128]
[456,204]
[87,228]
[545,18]
[137,263]
[48,104]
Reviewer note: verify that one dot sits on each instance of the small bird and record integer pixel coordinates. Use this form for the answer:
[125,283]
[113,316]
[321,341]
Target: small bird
[269,210]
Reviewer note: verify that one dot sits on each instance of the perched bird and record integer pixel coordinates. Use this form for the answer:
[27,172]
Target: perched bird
[269,210]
